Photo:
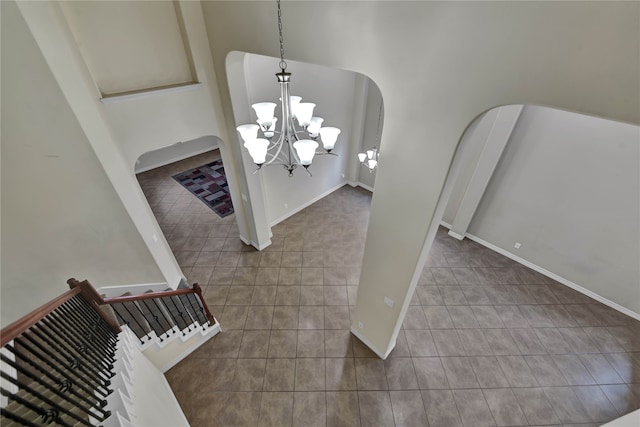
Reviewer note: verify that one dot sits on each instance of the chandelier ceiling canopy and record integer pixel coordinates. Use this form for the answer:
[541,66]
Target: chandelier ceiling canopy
[294,146]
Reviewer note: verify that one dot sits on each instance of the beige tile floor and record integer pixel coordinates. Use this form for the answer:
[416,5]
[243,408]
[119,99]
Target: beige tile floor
[485,342]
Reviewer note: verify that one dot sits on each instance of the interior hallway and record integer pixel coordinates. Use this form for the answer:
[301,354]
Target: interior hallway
[485,342]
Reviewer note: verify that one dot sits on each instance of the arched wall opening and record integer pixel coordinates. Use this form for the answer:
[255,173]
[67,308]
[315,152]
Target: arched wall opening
[185,221]
[555,191]
[345,99]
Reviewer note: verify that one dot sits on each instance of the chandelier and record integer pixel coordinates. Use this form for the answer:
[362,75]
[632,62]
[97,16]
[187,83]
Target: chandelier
[369,158]
[294,146]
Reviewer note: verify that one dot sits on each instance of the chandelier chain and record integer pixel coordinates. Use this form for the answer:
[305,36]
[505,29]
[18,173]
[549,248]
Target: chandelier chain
[283,64]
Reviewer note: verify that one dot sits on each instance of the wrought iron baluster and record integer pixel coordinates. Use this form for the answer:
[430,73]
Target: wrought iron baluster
[63,381]
[44,399]
[32,407]
[51,388]
[142,328]
[72,359]
[189,298]
[17,418]
[74,345]
[153,323]
[85,378]
[181,314]
[97,325]
[102,347]
[165,313]
[89,310]
[202,318]
[94,343]
[87,387]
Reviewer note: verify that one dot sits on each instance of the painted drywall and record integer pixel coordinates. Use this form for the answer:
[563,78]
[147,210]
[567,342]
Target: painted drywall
[130,45]
[334,93]
[439,65]
[175,152]
[473,140]
[61,217]
[373,123]
[158,119]
[568,189]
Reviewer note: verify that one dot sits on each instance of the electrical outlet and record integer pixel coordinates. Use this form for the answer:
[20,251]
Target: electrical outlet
[388,301]
[517,245]
[342,175]
[154,238]
[360,325]
[286,205]
[244,197]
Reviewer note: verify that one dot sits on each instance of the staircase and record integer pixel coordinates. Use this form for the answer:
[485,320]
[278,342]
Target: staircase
[85,360]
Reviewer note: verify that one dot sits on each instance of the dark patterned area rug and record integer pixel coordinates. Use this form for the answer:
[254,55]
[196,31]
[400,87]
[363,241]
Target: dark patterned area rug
[209,184]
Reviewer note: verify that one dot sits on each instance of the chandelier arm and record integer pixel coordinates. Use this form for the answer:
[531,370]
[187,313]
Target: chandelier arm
[280,143]
[325,153]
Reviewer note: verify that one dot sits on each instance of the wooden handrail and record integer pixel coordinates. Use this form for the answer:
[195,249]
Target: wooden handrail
[93,294]
[95,299]
[14,330]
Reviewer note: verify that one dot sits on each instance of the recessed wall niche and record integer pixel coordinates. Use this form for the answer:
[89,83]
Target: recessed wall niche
[131,46]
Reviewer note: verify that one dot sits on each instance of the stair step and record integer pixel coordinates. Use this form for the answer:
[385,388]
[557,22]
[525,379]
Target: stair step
[32,416]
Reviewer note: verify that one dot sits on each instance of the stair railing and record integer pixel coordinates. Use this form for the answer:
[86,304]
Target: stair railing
[159,314]
[56,363]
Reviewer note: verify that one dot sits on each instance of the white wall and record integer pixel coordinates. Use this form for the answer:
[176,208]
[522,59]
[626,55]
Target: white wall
[175,152]
[568,189]
[61,217]
[130,45]
[473,141]
[334,93]
[374,121]
[438,65]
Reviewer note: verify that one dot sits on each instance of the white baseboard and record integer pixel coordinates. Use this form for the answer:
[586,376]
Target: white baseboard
[176,159]
[373,348]
[359,184]
[116,291]
[307,204]
[256,245]
[456,235]
[632,419]
[551,275]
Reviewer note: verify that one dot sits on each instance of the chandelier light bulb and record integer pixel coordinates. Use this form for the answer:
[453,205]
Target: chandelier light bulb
[306,149]
[248,132]
[272,129]
[257,150]
[362,157]
[314,126]
[329,136]
[304,112]
[372,163]
[370,154]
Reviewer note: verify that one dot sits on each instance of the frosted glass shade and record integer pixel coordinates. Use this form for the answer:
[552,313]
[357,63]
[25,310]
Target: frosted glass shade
[257,149]
[370,154]
[362,157]
[329,137]
[304,112]
[372,163]
[294,101]
[248,132]
[264,111]
[314,126]
[306,149]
